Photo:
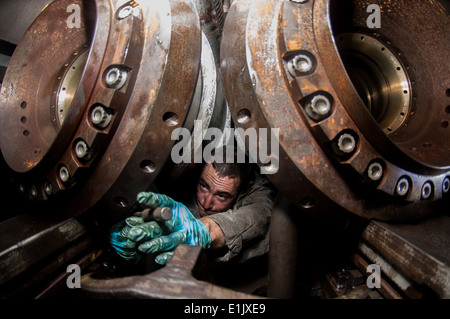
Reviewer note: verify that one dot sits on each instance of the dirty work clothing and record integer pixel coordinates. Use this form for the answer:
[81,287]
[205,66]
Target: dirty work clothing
[246,225]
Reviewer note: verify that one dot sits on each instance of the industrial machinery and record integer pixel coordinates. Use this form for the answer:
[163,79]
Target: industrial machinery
[358,90]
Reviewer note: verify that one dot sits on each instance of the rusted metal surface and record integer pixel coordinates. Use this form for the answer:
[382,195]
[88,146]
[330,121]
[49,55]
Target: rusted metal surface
[282,67]
[32,249]
[419,250]
[175,280]
[95,127]
[385,289]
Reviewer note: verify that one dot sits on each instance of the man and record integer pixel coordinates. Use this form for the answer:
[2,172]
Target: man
[229,215]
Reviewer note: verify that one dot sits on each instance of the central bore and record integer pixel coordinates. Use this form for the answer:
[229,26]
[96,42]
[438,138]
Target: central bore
[69,83]
[379,78]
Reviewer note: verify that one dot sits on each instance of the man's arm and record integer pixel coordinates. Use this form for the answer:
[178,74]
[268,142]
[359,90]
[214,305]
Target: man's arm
[216,233]
[244,230]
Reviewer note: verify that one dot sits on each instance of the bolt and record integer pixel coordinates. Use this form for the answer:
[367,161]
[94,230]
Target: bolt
[346,143]
[402,187]
[426,190]
[115,77]
[319,107]
[375,171]
[446,185]
[100,117]
[64,174]
[33,191]
[300,63]
[81,149]
[48,188]
[125,12]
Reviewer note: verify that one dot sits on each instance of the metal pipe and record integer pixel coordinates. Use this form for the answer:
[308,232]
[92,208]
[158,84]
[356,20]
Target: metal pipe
[283,250]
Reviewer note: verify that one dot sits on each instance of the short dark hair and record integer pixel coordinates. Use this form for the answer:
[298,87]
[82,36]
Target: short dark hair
[232,169]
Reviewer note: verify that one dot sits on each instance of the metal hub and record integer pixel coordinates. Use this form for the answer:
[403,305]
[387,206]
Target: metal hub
[379,77]
[361,112]
[116,88]
[68,85]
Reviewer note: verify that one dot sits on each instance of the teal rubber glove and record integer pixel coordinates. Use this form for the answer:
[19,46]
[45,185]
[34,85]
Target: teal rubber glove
[155,237]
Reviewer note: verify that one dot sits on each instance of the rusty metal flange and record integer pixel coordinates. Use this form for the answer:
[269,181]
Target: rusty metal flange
[282,69]
[87,113]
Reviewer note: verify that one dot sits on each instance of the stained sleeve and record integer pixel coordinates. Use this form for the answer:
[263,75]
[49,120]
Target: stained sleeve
[246,226]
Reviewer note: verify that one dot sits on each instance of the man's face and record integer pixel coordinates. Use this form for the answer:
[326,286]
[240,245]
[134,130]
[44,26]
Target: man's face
[215,194]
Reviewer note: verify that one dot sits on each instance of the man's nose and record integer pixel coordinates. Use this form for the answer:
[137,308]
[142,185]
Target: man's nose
[208,202]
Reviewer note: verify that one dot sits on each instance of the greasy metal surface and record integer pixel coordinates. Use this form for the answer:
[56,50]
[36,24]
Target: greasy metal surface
[45,245]
[419,250]
[175,280]
[338,157]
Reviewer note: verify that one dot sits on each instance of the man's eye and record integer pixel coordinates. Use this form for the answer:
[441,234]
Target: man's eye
[221,198]
[203,187]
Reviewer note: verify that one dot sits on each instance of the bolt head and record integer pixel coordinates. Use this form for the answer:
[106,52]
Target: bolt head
[81,149]
[125,12]
[100,117]
[427,190]
[346,143]
[375,171]
[115,78]
[402,187]
[446,185]
[64,174]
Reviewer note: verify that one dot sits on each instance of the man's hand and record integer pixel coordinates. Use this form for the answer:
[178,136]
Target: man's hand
[154,237]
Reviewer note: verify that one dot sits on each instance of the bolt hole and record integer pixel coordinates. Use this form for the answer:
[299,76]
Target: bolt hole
[308,202]
[170,118]
[23,105]
[447,92]
[444,124]
[26,133]
[447,109]
[148,166]
[23,119]
[244,116]
[121,201]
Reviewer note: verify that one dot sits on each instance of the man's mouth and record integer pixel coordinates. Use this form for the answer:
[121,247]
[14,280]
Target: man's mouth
[204,212]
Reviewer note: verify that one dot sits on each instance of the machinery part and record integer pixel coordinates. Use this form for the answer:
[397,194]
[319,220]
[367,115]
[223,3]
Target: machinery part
[412,256]
[361,112]
[158,214]
[283,257]
[33,249]
[160,284]
[102,113]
